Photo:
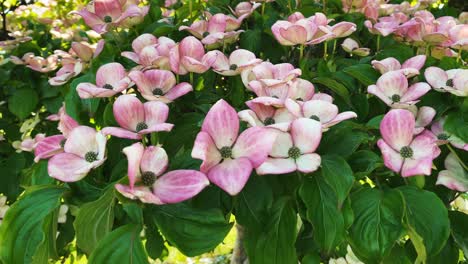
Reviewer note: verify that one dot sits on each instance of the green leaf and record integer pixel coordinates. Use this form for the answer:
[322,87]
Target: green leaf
[275,245]
[94,221]
[364,73]
[335,86]
[377,225]
[250,40]
[426,221]
[36,175]
[363,162]
[448,255]
[122,245]
[323,212]
[23,102]
[458,222]
[456,124]
[154,241]
[342,140]
[21,231]
[397,255]
[338,175]
[47,249]
[193,231]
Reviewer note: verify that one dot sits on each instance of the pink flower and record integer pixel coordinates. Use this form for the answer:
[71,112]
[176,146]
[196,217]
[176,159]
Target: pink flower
[301,31]
[65,73]
[84,150]
[351,46]
[401,152]
[102,14]
[455,176]
[29,144]
[111,79]
[49,147]
[453,81]
[159,85]
[66,123]
[392,89]
[341,29]
[265,115]
[245,8]
[409,68]
[323,111]
[238,61]
[43,65]
[137,119]
[443,137]
[145,169]
[228,159]
[295,150]
[189,56]
[458,37]
[383,28]
[148,51]
[270,74]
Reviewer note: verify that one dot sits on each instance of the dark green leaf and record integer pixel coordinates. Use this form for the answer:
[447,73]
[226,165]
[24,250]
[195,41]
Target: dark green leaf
[456,124]
[335,86]
[122,245]
[364,73]
[363,162]
[23,102]
[378,225]
[342,141]
[94,221]
[338,175]
[458,222]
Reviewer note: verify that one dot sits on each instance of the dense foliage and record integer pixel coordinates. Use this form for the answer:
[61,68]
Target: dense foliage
[326,131]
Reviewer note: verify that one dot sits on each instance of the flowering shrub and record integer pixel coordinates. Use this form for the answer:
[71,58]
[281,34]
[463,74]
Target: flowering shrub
[326,131]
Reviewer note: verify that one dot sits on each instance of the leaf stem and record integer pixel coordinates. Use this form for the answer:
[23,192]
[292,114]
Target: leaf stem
[301,52]
[457,157]
[325,50]
[378,44]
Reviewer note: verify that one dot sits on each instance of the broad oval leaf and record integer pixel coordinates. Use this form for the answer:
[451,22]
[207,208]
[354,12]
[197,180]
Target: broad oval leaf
[364,73]
[122,245]
[338,175]
[23,102]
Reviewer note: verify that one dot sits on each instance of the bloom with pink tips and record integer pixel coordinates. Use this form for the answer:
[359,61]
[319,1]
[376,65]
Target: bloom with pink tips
[454,176]
[270,74]
[238,61]
[402,152]
[266,115]
[454,81]
[351,46]
[29,144]
[84,150]
[149,51]
[189,56]
[409,68]
[229,158]
[137,119]
[392,88]
[424,117]
[245,8]
[49,147]
[101,15]
[148,183]
[295,150]
[111,79]
[159,85]
[444,137]
[322,111]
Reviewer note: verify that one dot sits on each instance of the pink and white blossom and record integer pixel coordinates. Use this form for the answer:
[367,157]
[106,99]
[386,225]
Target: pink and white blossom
[189,56]
[111,79]
[454,176]
[454,81]
[238,61]
[443,137]
[409,68]
[149,51]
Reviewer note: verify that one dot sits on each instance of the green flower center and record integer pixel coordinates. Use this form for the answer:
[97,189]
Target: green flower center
[108,86]
[443,136]
[91,156]
[449,83]
[148,178]
[158,92]
[396,98]
[294,152]
[205,34]
[233,67]
[107,19]
[226,152]
[314,117]
[140,126]
[406,152]
[62,143]
[269,121]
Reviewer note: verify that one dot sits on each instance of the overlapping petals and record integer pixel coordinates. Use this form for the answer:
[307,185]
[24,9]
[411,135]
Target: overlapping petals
[409,68]
[453,81]
[189,56]
[454,176]
[149,51]
[238,61]
[111,79]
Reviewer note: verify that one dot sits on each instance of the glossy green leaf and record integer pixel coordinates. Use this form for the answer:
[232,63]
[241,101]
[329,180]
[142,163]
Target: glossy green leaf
[378,223]
[459,225]
[338,175]
[23,102]
[342,140]
[335,86]
[122,245]
[456,124]
[364,73]
[193,231]
[363,162]
[94,221]
[21,231]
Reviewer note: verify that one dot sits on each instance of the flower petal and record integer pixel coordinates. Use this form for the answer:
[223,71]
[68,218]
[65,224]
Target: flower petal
[277,166]
[392,159]
[134,155]
[222,124]
[110,73]
[179,90]
[308,163]
[48,147]
[179,185]
[254,143]
[68,167]
[155,160]
[397,128]
[436,77]
[306,134]
[231,175]
[128,112]
[415,91]
[81,140]
[205,149]
[120,133]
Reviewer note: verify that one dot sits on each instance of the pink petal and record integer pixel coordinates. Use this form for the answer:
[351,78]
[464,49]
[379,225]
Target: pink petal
[231,175]
[282,145]
[416,62]
[110,73]
[343,29]
[48,147]
[120,133]
[425,116]
[386,65]
[179,185]
[217,23]
[191,47]
[325,111]
[83,51]
[281,25]
[155,113]
[154,160]
[397,128]
[128,112]
[373,89]
[250,118]
[131,56]
[262,111]
[205,150]
[222,124]
[436,77]
[193,65]
[68,167]
[89,90]
[82,140]
[134,155]
[254,143]
[294,34]
[308,163]
[392,159]
[341,117]
[277,166]
[306,134]
[392,83]
[179,90]
[110,8]
[142,41]
[415,92]
[156,128]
